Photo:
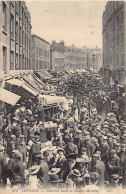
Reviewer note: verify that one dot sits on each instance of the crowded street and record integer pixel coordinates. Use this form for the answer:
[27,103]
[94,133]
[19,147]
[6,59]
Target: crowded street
[72,137]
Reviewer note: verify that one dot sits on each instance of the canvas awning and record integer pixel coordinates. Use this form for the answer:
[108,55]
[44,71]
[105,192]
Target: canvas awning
[22,88]
[30,82]
[42,75]
[52,99]
[37,79]
[8,97]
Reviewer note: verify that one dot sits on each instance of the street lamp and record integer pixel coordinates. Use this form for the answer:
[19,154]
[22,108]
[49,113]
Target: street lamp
[93,57]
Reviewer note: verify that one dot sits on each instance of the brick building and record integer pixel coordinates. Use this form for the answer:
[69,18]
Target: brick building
[15,37]
[114,41]
[40,53]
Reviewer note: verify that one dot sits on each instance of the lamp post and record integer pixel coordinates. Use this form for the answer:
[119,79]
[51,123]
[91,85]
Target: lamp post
[93,57]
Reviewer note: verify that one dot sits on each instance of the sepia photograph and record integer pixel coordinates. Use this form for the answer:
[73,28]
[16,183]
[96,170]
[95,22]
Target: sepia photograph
[63,96]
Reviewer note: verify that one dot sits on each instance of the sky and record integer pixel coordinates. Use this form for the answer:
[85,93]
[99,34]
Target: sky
[75,22]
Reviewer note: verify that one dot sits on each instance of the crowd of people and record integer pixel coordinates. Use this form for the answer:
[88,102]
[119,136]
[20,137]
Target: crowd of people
[88,146]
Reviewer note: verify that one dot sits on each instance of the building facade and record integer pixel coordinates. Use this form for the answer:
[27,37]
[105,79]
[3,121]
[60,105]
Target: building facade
[114,41]
[75,58]
[15,37]
[70,57]
[57,56]
[94,58]
[40,53]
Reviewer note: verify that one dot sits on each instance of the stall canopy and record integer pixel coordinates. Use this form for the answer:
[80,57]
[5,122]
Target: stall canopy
[20,87]
[30,82]
[37,79]
[8,97]
[42,76]
[47,99]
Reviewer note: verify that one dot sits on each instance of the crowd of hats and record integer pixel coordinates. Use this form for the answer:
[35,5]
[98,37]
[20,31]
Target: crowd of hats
[95,128]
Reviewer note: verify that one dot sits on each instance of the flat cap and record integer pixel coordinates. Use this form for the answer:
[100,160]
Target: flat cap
[112,151]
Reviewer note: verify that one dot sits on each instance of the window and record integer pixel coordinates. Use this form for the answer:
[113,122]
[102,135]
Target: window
[37,65]
[117,21]
[122,38]
[113,25]
[23,38]
[117,60]
[122,17]
[16,62]
[4,58]
[117,40]
[12,61]
[36,51]
[17,5]
[16,31]
[4,17]
[39,52]
[12,26]
[20,62]
[20,35]
[122,59]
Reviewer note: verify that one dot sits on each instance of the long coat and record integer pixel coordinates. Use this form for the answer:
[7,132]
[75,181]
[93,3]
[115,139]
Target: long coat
[43,173]
[105,149]
[3,170]
[100,168]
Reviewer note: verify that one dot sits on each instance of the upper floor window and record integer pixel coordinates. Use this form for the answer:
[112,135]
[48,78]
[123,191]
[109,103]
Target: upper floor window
[122,17]
[16,31]
[117,21]
[4,58]
[12,26]
[4,16]
[12,60]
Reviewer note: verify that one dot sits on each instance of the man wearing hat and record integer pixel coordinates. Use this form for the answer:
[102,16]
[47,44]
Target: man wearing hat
[18,170]
[113,163]
[24,129]
[53,159]
[3,168]
[114,182]
[71,148]
[99,167]
[11,144]
[63,164]
[121,155]
[43,171]
[35,149]
[105,148]
[90,147]
[21,146]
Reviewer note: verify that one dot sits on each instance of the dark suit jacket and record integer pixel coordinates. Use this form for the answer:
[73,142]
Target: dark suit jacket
[90,149]
[63,164]
[105,152]
[71,148]
[115,164]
